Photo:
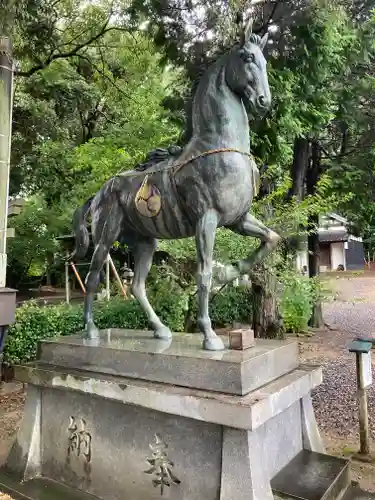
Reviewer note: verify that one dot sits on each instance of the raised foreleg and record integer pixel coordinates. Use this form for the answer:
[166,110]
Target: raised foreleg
[250,226]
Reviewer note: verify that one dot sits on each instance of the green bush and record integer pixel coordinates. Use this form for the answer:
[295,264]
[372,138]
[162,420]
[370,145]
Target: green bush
[35,323]
[231,305]
[296,301]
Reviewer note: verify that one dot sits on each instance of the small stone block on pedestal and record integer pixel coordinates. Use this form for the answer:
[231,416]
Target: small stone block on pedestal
[241,339]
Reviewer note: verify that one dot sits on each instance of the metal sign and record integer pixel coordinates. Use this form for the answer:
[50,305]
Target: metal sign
[366,370]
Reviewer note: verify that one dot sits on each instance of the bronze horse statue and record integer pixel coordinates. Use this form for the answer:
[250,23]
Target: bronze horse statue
[209,184]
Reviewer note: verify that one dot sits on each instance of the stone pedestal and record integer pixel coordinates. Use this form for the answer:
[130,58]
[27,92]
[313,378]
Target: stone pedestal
[137,418]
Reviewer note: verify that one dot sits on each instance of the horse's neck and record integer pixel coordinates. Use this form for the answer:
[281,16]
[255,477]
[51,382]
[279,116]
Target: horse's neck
[219,116]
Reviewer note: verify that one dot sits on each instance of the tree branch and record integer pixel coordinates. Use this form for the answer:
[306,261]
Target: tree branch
[111,81]
[68,54]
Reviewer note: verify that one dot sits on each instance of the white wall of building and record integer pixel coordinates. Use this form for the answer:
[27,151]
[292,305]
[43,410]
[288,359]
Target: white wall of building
[337,255]
[302,260]
[332,223]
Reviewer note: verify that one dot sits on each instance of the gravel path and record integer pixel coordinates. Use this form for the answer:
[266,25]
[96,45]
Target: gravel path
[351,313]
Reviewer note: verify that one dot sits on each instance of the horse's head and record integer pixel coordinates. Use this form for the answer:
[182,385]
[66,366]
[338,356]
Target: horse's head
[246,72]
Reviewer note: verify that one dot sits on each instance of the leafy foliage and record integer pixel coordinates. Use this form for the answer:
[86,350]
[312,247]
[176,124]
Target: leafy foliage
[232,305]
[77,122]
[80,121]
[35,323]
[101,83]
[296,301]
[36,228]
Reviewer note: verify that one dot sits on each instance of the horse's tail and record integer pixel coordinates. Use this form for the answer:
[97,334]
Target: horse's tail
[82,238]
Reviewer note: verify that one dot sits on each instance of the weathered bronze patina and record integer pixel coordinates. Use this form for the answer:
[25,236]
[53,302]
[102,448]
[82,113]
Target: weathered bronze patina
[190,192]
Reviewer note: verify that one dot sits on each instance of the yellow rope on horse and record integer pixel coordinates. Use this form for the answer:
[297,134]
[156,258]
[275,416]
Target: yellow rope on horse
[177,167]
[143,195]
[255,171]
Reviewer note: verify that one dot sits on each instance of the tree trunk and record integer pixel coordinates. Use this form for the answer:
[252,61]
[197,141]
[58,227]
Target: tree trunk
[313,174]
[49,265]
[316,320]
[299,169]
[344,139]
[267,321]
[297,190]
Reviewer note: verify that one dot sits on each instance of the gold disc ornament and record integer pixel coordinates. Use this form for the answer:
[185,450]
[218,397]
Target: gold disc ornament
[148,199]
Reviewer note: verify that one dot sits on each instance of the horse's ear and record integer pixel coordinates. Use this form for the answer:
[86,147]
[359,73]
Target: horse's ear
[263,41]
[247,32]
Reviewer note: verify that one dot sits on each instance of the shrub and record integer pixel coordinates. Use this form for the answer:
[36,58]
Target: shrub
[231,305]
[296,301]
[35,323]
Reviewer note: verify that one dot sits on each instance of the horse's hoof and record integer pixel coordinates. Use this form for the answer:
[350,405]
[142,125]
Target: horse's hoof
[163,333]
[225,275]
[92,332]
[213,344]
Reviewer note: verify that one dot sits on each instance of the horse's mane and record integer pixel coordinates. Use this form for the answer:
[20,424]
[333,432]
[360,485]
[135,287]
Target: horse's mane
[161,154]
[255,39]
[157,156]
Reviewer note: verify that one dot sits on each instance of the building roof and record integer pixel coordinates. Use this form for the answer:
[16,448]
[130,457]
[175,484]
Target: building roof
[337,217]
[334,235]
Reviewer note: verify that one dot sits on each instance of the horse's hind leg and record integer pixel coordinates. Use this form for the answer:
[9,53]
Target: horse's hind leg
[105,233]
[205,240]
[143,253]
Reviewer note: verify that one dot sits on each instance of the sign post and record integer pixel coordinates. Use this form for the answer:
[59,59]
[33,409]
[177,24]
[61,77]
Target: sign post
[362,350]
[6,93]
[7,295]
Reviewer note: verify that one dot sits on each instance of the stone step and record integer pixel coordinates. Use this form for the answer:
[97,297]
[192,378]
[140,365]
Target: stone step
[312,476]
[38,489]
[355,493]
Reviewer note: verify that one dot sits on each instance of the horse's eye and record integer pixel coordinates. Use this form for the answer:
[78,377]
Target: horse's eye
[248,57]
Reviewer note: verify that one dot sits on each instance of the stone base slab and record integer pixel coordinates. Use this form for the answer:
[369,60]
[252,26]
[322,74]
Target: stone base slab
[242,412]
[181,361]
[115,437]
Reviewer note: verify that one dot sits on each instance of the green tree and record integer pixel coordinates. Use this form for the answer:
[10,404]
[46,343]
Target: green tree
[90,87]
[81,118]
[36,228]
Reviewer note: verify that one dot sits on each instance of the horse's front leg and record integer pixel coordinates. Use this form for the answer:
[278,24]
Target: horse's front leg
[205,239]
[250,226]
